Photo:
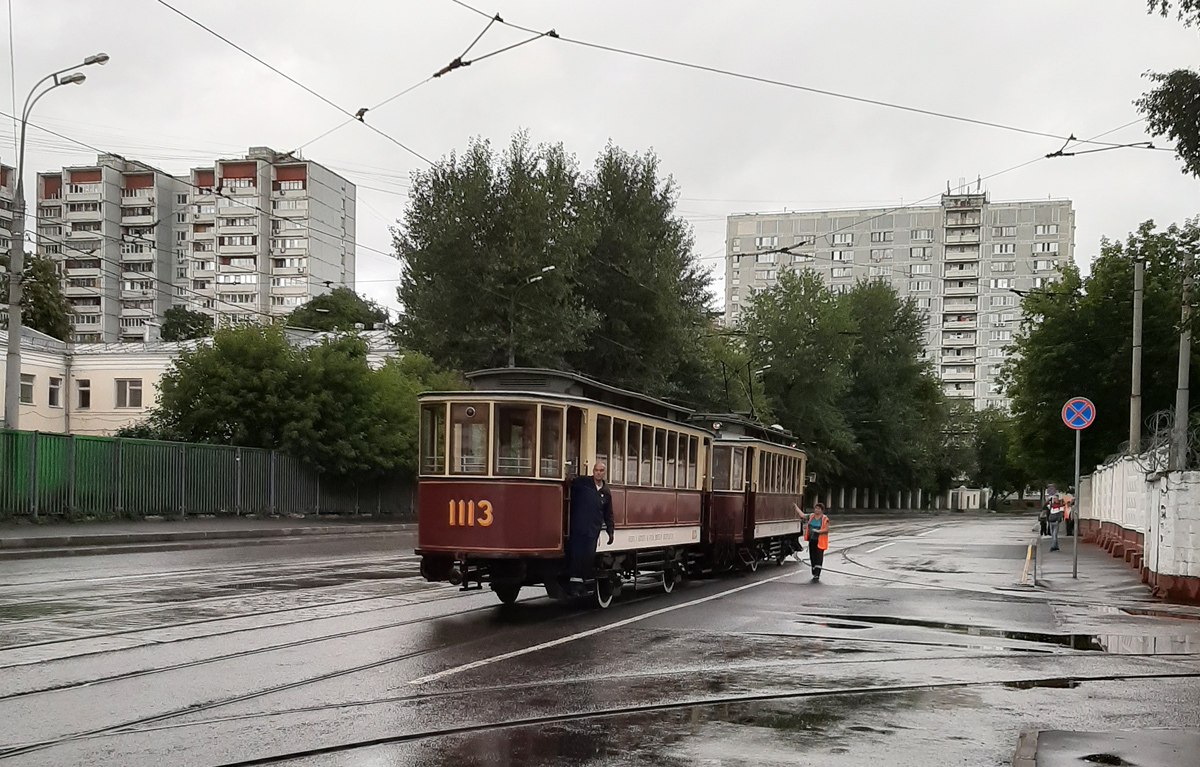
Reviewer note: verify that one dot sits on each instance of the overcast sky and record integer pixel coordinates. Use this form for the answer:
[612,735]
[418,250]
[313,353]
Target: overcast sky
[175,96]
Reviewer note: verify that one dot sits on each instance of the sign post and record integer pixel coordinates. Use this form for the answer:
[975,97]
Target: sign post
[1077,414]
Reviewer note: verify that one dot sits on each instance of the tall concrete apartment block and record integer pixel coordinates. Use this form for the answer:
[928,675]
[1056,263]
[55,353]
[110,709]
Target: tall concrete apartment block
[965,261]
[8,189]
[243,240]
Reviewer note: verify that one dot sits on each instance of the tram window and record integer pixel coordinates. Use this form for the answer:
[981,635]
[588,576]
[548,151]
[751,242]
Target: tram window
[603,438]
[739,462]
[433,439]
[660,455]
[647,455]
[631,460]
[762,471]
[550,452]
[574,440]
[787,474]
[693,444]
[616,471]
[468,438]
[672,449]
[515,429]
[722,456]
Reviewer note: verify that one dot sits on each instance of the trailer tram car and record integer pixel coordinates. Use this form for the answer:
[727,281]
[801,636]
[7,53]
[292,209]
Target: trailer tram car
[758,480]
[494,477]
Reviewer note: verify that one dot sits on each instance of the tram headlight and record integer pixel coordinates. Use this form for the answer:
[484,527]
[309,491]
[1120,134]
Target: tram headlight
[470,412]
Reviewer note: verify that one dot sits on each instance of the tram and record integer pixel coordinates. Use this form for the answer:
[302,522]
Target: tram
[495,467]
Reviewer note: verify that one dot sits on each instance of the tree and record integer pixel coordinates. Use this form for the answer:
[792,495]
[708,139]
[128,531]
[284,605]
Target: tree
[182,324]
[339,309]
[490,249]
[893,402]
[1076,340]
[321,403]
[798,338]
[642,279]
[1173,108]
[994,461]
[43,306]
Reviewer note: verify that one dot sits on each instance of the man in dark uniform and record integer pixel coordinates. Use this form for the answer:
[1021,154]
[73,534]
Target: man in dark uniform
[591,509]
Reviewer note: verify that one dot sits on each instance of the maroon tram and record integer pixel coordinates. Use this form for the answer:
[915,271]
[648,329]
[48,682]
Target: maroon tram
[496,461]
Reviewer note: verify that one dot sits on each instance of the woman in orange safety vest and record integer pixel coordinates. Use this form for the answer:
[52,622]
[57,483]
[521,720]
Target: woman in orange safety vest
[817,533]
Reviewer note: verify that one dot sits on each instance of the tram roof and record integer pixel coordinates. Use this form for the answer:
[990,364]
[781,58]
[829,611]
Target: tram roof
[736,425]
[545,381]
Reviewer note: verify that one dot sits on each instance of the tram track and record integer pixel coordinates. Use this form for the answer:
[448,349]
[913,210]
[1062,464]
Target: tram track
[617,711]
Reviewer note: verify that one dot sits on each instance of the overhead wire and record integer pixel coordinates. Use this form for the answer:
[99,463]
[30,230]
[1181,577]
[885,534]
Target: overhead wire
[353,116]
[785,84]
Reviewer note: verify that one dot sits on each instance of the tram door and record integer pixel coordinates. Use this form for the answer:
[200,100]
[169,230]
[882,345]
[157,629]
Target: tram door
[748,478]
[574,441]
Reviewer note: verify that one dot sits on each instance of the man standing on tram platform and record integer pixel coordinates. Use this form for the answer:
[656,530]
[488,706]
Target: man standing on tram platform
[591,510]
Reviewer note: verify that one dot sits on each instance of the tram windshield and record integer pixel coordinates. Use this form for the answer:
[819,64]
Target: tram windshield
[516,426]
[433,439]
[468,438]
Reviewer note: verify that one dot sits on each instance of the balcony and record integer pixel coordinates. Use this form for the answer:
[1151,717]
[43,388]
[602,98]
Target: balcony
[958,374]
[970,254]
[970,273]
[967,340]
[959,322]
[959,306]
[964,236]
[969,289]
[956,221]
[966,392]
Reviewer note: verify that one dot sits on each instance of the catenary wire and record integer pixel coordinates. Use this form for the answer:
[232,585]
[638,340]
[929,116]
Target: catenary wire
[294,81]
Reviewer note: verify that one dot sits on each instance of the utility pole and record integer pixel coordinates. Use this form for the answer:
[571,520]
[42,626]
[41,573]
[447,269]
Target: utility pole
[1179,432]
[512,313]
[16,253]
[1135,392]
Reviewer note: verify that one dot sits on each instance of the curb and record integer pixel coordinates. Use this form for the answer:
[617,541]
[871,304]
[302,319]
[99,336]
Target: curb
[116,539]
[177,545]
[1026,753]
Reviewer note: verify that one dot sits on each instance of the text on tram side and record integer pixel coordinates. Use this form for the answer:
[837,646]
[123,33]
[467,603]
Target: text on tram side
[462,513]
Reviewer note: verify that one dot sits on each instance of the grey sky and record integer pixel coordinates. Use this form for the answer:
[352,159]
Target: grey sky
[175,96]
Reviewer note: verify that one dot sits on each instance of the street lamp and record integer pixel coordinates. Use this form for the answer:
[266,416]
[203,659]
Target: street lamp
[16,256]
[512,313]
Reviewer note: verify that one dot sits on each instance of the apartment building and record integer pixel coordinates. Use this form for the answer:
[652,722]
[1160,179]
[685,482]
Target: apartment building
[246,239]
[258,236]
[966,261]
[8,191]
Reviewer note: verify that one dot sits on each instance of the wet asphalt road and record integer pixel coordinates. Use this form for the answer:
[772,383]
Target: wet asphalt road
[917,647]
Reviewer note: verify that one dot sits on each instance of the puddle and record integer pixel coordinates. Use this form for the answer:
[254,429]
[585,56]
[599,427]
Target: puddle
[1057,684]
[833,624]
[1113,644]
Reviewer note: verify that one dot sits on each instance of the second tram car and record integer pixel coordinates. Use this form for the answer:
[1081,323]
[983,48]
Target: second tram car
[494,476]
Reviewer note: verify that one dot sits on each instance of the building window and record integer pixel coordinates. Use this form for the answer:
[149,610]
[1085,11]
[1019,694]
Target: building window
[919,286]
[881,254]
[1043,265]
[1004,266]
[1002,282]
[1004,301]
[292,300]
[129,392]
[924,252]
[806,239]
[1045,229]
[1045,247]
[922,235]
[735,245]
[845,238]
[83,392]
[881,236]
[27,382]
[1004,231]
[768,274]
[841,271]
[54,393]
[765,258]
[1001,335]
[922,269]
[1004,248]
[766,242]
[844,256]
[289,263]
[879,271]
[181,199]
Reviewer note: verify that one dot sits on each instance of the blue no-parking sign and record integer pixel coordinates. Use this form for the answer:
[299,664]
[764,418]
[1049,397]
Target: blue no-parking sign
[1078,413]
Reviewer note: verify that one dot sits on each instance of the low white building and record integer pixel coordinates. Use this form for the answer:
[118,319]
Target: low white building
[95,389]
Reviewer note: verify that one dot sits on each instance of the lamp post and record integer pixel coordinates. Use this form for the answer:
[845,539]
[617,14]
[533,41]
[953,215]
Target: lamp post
[16,255]
[512,313]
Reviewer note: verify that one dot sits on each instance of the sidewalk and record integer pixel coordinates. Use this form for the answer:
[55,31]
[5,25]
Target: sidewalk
[25,541]
[1146,748]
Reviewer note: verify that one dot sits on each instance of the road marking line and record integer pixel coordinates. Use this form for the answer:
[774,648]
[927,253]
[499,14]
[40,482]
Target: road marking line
[927,532]
[884,546]
[589,632]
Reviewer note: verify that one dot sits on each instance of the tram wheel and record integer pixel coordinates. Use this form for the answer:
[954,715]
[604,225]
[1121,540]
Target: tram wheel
[508,592]
[604,592]
[668,581]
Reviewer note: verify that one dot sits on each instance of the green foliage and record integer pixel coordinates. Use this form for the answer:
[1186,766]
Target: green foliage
[1076,340]
[43,306]
[182,324]
[995,464]
[1173,109]
[1189,10]
[478,228]
[321,403]
[339,309]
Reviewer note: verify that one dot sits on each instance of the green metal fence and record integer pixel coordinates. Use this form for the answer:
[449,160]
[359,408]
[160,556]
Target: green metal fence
[46,475]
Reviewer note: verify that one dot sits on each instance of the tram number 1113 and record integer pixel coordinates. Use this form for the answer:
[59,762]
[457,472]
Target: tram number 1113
[463,513]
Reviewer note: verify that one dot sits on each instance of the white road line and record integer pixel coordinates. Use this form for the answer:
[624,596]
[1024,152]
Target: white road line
[927,532]
[884,546]
[590,632]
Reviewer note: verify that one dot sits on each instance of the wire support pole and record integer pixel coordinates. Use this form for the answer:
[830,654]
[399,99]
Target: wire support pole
[1135,391]
[1179,432]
